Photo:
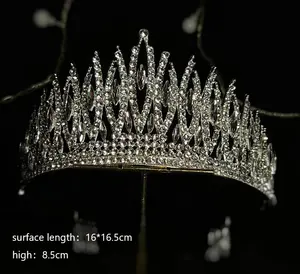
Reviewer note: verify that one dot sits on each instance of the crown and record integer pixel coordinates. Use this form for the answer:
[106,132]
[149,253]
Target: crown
[180,127]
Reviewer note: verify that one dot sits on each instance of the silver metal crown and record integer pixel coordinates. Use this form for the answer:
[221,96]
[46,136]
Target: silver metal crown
[181,126]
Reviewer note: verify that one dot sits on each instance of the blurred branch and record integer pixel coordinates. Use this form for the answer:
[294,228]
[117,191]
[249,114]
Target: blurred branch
[37,86]
[200,25]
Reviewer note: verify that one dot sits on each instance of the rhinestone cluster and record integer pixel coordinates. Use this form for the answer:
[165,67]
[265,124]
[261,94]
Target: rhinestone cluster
[180,126]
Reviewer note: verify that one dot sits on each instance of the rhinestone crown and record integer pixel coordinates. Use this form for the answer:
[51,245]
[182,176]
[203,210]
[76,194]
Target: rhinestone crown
[181,126]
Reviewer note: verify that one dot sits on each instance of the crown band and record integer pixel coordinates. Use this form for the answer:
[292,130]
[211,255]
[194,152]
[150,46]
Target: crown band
[181,126]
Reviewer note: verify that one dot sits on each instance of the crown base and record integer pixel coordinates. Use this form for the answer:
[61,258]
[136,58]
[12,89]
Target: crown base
[151,163]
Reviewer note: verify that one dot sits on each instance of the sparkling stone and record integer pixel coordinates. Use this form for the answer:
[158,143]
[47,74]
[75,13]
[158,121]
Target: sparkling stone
[176,134]
[103,131]
[233,122]
[220,151]
[150,123]
[59,143]
[198,136]
[248,142]
[141,77]
[81,132]
[90,98]
[270,153]
[190,101]
[128,122]
[144,33]
[69,108]
[165,93]
[213,110]
[274,165]
[94,134]
[115,92]
[51,118]
[272,159]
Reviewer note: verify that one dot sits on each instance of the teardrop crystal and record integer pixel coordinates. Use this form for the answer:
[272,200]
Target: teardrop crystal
[90,98]
[270,152]
[165,93]
[81,132]
[141,77]
[51,119]
[274,164]
[198,136]
[128,122]
[252,126]
[59,143]
[176,134]
[190,101]
[94,134]
[103,131]
[213,110]
[115,92]
[69,108]
[233,123]
[150,123]
[219,151]
[272,160]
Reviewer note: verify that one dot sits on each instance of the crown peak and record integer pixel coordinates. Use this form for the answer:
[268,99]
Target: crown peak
[144,33]
[232,83]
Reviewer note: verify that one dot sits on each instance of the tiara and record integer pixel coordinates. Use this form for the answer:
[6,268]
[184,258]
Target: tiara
[180,127]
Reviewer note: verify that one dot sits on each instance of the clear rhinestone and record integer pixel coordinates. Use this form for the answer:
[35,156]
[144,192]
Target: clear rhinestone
[272,159]
[141,77]
[81,132]
[233,123]
[128,122]
[90,98]
[69,108]
[94,134]
[198,136]
[190,101]
[115,92]
[103,131]
[59,143]
[220,150]
[150,123]
[51,118]
[274,165]
[144,33]
[214,111]
[165,93]
[176,134]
